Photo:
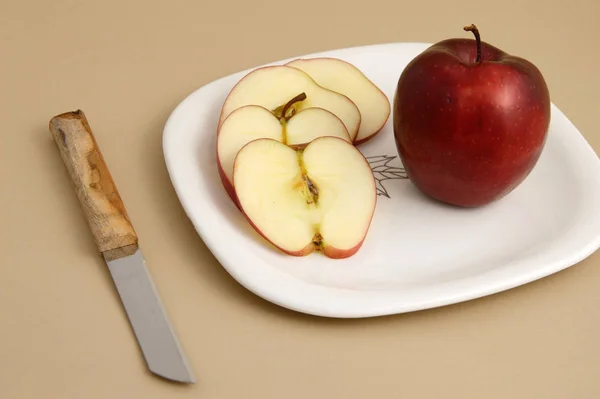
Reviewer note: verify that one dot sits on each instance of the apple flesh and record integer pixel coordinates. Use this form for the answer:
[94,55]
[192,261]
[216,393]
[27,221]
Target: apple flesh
[251,122]
[470,121]
[321,198]
[343,77]
[272,86]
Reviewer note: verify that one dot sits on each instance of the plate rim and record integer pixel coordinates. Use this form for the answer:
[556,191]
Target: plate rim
[341,311]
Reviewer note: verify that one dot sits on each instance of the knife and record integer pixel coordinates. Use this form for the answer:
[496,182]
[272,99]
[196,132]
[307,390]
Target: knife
[117,241]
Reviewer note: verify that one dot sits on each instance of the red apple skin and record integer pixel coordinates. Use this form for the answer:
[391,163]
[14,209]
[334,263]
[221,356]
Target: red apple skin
[469,133]
[337,253]
[227,185]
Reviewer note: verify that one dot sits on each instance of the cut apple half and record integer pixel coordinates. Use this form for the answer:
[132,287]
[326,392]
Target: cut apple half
[321,198]
[272,86]
[252,122]
[343,77]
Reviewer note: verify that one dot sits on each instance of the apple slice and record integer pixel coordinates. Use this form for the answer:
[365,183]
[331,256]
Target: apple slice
[321,198]
[273,86]
[343,77]
[251,122]
[312,123]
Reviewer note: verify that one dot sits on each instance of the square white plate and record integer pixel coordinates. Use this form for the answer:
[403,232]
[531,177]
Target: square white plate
[418,253]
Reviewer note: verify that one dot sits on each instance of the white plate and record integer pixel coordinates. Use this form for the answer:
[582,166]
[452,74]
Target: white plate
[418,254]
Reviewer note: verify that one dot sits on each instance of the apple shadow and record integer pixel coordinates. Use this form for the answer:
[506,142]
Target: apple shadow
[432,201]
[451,207]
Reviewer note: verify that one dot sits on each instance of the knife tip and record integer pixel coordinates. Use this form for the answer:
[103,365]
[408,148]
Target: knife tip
[186,378]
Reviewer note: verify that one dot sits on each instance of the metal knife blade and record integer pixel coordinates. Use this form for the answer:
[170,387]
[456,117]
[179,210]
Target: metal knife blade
[117,240]
[148,318]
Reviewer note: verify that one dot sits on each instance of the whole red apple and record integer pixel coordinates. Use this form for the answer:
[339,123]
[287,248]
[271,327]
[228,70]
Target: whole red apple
[470,121]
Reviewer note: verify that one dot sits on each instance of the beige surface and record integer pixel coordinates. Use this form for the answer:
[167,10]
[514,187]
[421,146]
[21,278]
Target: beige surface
[63,333]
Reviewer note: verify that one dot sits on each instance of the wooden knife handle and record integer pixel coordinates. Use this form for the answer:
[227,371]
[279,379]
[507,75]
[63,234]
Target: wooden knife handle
[106,215]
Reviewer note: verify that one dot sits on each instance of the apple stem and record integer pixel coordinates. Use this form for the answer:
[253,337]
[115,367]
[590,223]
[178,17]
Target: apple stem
[472,28]
[299,97]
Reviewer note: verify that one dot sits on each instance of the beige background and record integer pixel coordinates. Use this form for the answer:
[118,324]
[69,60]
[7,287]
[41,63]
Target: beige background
[63,333]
